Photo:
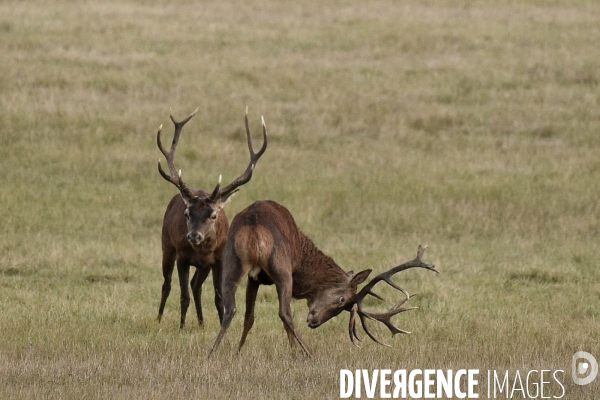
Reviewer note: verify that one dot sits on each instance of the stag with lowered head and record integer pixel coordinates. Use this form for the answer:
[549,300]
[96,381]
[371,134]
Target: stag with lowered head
[266,245]
[195,227]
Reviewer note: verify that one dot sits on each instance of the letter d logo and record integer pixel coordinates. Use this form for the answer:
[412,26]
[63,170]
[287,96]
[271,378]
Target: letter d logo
[584,372]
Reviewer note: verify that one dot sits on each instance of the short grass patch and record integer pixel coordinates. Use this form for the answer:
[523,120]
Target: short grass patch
[469,126]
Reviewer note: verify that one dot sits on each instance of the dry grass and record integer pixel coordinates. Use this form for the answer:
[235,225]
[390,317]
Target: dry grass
[470,126]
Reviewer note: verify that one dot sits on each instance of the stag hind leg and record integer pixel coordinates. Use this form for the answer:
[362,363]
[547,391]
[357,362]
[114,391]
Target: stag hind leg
[251,292]
[232,274]
[168,264]
[216,271]
[284,293]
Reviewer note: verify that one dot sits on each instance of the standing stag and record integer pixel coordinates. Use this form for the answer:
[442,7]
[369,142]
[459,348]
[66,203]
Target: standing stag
[195,227]
[266,245]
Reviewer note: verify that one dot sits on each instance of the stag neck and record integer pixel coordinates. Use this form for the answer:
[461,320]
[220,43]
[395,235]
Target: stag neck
[315,266]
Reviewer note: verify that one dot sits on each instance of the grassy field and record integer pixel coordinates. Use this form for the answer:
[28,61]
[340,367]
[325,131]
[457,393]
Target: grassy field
[472,126]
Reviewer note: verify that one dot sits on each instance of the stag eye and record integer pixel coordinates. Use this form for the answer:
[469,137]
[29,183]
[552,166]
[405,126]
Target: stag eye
[186,214]
[213,216]
[342,299]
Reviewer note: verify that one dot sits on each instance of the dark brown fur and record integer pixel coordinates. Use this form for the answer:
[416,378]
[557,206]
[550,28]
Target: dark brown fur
[206,257]
[195,226]
[266,245]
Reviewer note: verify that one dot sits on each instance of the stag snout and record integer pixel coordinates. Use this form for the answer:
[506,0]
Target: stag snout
[195,238]
[312,320]
[312,324]
[318,317]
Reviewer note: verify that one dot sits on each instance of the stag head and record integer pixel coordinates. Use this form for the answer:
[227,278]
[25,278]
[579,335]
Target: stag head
[329,302]
[202,209]
[345,296]
[200,215]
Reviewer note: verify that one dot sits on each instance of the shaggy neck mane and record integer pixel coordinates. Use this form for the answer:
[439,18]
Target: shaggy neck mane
[316,272]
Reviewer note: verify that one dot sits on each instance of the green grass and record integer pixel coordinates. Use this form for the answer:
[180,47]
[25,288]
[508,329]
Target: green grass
[470,126]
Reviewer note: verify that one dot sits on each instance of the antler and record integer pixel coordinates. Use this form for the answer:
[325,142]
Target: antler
[245,177]
[174,177]
[384,318]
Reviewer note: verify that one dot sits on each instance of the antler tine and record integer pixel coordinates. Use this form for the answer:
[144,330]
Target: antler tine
[401,302]
[367,331]
[421,251]
[375,295]
[387,276]
[255,156]
[385,318]
[352,326]
[247,175]
[175,176]
[169,156]
[179,125]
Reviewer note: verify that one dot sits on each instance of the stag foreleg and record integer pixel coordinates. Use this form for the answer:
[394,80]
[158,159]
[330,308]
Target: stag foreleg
[183,270]
[284,293]
[198,279]
[168,264]
[231,278]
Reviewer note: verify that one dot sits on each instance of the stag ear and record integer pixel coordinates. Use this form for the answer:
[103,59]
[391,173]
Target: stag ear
[222,201]
[186,196]
[360,277]
[221,198]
